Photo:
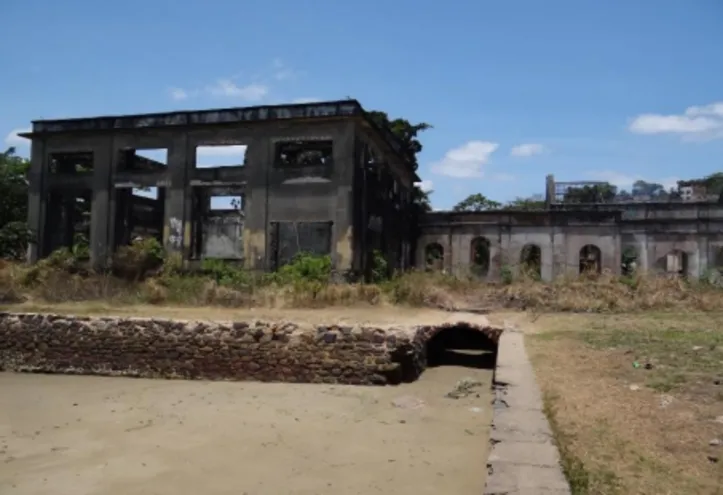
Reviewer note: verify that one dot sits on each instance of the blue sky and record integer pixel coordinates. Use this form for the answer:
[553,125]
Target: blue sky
[606,90]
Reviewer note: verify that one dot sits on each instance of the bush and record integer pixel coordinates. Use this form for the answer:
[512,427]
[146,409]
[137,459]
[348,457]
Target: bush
[14,239]
[506,274]
[305,268]
[139,259]
[227,275]
[380,267]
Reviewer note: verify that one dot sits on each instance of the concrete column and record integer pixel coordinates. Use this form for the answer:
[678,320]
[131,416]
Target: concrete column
[549,190]
[101,223]
[618,253]
[36,200]
[450,257]
[176,230]
[342,243]
[259,159]
[641,245]
[703,254]
[559,256]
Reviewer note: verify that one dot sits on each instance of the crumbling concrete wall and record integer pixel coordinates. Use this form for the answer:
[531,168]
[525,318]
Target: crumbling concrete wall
[653,231]
[255,350]
[222,236]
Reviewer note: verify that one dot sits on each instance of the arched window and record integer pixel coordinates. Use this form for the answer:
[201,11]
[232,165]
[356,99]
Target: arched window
[676,262]
[434,256]
[629,260]
[480,254]
[531,261]
[590,259]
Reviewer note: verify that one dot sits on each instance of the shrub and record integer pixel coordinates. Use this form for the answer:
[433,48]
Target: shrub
[506,274]
[226,274]
[137,260]
[14,239]
[305,268]
[380,267]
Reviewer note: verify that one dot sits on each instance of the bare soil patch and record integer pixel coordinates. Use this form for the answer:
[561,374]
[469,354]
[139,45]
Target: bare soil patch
[94,435]
[379,315]
[636,401]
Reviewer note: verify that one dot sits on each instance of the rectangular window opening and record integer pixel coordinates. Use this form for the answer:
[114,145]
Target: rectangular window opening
[144,160]
[289,239]
[233,155]
[68,223]
[140,214]
[227,203]
[217,223]
[304,153]
[72,163]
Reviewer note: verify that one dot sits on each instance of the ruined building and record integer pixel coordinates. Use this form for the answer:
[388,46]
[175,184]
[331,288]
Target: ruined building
[323,178]
[319,178]
[591,233]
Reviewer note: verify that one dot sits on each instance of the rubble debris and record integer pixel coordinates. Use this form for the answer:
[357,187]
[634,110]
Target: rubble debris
[408,402]
[463,388]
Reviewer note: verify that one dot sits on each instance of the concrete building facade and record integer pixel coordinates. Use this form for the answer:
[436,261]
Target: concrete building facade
[320,178]
[683,238]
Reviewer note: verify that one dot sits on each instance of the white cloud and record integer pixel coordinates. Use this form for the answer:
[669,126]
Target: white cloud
[625,181]
[228,88]
[697,121]
[425,185]
[12,139]
[465,161]
[178,94]
[527,149]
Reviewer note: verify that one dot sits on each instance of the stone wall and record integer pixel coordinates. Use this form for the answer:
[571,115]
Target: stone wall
[257,350]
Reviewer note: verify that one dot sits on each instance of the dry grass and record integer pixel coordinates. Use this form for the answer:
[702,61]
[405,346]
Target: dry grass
[55,282]
[629,429]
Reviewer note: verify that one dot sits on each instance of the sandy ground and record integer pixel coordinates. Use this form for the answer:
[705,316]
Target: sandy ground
[80,435]
[379,315]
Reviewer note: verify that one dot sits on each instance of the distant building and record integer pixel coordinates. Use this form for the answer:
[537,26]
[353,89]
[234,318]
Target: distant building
[695,190]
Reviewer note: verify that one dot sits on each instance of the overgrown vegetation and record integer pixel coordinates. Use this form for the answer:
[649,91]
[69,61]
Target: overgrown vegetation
[143,273]
[14,234]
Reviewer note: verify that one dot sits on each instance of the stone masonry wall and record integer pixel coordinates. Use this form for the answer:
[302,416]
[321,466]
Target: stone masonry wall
[256,350]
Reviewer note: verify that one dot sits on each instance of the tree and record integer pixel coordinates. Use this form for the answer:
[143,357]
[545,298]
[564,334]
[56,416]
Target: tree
[714,183]
[476,202]
[651,189]
[594,193]
[14,233]
[420,199]
[407,133]
[525,204]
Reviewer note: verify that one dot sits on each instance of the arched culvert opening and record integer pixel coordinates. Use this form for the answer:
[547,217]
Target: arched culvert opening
[462,346]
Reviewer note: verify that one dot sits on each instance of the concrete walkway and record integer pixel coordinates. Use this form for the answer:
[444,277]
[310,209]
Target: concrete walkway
[523,457]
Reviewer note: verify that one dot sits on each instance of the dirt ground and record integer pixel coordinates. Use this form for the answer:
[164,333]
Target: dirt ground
[79,435]
[380,315]
[636,400]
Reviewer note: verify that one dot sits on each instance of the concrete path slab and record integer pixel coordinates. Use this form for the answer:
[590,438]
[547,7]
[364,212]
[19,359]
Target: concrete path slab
[523,458]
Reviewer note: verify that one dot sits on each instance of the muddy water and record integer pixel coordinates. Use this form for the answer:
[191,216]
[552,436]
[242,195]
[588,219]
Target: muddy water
[93,435]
